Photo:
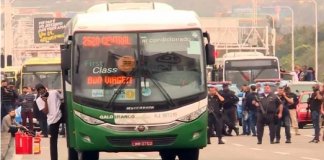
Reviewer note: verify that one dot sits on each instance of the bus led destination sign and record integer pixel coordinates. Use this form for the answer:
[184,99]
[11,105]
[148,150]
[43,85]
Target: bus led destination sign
[109,80]
[97,41]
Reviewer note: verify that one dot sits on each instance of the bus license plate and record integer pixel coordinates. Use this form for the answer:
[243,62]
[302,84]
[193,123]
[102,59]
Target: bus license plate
[137,143]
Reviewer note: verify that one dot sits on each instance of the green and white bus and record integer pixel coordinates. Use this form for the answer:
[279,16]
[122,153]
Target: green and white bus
[135,80]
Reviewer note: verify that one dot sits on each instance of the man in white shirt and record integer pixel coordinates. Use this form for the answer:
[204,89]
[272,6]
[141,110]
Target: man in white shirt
[49,102]
[294,76]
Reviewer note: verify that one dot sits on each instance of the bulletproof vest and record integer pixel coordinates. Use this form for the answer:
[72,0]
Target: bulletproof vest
[315,104]
[270,103]
[214,104]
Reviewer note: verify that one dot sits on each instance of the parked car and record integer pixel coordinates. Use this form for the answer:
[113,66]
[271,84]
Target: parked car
[303,113]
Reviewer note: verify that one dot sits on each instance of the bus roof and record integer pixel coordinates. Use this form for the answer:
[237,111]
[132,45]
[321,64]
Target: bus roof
[133,20]
[104,7]
[43,60]
[243,54]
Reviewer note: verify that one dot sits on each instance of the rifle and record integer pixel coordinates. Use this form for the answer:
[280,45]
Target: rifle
[260,104]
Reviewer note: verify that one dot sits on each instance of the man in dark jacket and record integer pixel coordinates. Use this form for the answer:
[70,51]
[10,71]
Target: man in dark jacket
[8,98]
[286,100]
[315,103]
[252,109]
[215,121]
[229,105]
[269,111]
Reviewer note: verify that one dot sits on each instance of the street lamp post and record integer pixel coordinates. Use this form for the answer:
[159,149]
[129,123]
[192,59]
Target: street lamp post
[316,40]
[292,33]
[316,33]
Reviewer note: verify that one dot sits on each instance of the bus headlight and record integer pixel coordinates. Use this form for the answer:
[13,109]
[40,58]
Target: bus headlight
[192,116]
[88,119]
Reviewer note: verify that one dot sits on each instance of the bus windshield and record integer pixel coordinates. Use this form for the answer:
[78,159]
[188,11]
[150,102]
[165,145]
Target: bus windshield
[51,80]
[132,69]
[247,71]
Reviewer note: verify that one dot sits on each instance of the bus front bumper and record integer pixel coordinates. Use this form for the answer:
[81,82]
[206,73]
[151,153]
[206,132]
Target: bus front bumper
[98,138]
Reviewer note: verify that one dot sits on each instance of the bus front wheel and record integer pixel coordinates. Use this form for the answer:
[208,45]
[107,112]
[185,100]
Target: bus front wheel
[183,154]
[85,155]
[189,154]
[88,155]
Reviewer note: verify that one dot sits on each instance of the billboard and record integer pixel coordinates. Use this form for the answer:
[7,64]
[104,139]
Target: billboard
[49,30]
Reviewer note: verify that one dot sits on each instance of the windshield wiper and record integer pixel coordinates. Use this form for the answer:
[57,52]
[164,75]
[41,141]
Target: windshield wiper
[162,90]
[261,70]
[37,77]
[122,86]
[78,63]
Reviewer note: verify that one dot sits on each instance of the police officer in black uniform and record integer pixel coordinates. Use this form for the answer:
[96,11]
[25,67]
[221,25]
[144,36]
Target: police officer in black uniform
[229,105]
[215,121]
[315,102]
[286,100]
[269,111]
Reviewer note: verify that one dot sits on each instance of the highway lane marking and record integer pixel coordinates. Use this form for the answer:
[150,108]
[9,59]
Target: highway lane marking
[141,155]
[282,153]
[257,149]
[238,145]
[309,158]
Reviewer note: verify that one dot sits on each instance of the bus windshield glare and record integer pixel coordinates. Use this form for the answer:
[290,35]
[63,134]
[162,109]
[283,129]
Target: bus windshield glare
[247,71]
[50,80]
[153,68]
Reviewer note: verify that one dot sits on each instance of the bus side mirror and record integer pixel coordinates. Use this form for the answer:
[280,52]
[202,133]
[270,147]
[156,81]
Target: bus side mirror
[210,50]
[210,58]
[65,57]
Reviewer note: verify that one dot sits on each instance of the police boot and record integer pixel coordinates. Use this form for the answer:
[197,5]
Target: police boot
[288,141]
[237,131]
[220,141]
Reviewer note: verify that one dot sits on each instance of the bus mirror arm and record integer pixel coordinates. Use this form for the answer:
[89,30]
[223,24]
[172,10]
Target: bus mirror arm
[206,35]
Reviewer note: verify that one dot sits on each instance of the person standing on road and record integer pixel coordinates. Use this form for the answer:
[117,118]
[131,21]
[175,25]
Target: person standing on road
[245,111]
[252,109]
[286,100]
[49,102]
[269,111]
[8,98]
[26,101]
[292,110]
[315,102]
[40,116]
[215,108]
[229,106]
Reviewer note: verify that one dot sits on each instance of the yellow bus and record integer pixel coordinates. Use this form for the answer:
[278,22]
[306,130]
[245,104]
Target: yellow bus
[42,70]
[12,74]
